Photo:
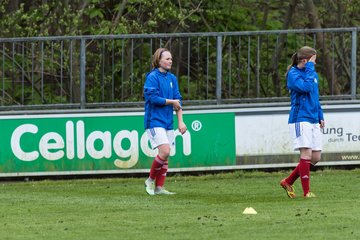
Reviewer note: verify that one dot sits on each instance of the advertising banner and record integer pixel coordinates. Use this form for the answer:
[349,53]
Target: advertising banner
[264,137]
[222,139]
[46,144]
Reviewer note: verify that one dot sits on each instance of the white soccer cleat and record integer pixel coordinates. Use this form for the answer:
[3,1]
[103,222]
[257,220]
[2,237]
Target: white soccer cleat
[149,186]
[163,191]
[310,195]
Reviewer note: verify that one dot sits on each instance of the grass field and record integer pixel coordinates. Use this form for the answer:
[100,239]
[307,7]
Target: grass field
[205,207]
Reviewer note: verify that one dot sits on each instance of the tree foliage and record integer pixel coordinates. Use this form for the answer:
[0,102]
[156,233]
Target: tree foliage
[83,17]
[20,18]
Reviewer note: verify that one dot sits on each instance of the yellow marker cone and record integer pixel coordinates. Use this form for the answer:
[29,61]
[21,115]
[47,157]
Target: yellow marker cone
[249,210]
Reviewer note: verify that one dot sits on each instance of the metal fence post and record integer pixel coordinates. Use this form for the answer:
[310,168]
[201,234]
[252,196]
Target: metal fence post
[353,63]
[82,73]
[218,68]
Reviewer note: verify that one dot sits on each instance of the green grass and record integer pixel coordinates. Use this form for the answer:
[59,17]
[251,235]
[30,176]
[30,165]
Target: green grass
[206,207]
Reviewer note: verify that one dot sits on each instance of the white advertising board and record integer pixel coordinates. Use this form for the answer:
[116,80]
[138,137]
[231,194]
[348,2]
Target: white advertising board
[264,137]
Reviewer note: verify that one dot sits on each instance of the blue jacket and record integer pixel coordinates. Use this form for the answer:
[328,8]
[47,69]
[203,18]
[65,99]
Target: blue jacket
[157,88]
[304,94]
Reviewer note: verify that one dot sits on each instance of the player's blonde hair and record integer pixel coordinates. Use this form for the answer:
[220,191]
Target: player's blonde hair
[157,56]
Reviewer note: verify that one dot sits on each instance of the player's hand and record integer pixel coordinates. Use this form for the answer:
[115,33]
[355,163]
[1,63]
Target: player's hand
[182,127]
[322,123]
[313,59]
[176,104]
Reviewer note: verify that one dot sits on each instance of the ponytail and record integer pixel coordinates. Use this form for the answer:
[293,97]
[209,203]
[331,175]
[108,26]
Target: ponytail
[303,53]
[294,61]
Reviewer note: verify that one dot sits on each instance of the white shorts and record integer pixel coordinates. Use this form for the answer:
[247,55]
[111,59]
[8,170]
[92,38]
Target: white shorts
[306,135]
[159,136]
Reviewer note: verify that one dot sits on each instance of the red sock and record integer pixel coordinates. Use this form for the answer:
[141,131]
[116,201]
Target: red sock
[304,171]
[293,175]
[156,167]
[160,179]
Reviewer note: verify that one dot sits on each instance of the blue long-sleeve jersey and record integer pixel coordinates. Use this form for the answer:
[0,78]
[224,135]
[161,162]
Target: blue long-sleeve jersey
[304,93]
[157,88]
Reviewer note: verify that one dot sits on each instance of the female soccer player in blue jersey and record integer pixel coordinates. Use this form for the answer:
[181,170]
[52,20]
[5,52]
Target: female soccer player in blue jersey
[305,119]
[162,97]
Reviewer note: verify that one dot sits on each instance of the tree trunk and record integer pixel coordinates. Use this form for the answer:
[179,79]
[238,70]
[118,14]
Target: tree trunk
[120,12]
[275,58]
[326,67]
[266,14]
[13,6]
